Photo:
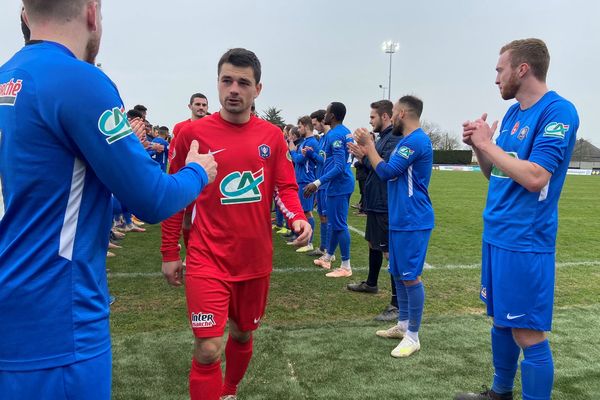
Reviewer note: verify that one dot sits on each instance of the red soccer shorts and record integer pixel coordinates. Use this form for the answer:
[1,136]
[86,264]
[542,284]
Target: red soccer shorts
[212,301]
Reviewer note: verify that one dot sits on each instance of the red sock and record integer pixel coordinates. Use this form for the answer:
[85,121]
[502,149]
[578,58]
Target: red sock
[186,237]
[205,381]
[237,358]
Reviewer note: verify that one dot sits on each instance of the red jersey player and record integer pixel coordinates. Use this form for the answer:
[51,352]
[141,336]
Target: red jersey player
[199,108]
[229,258]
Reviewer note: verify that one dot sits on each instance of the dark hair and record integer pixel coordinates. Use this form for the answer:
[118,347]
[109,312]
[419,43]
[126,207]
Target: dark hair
[25,28]
[197,95]
[62,10]
[319,115]
[288,127]
[306,121]
[294,132]
[414,105]
[338,110]
[532,52]
[163,128]
[239,57]
[131,114]
[383,107]
[140,107]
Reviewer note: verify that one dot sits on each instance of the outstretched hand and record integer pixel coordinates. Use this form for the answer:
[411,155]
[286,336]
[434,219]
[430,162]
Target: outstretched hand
[206,161]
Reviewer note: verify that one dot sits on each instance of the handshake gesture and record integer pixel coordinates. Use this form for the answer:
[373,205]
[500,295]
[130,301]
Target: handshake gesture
[207,161]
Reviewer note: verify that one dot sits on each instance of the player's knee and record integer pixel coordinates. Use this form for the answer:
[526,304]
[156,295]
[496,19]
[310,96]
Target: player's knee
[323,219]
[412,282]
[308,214]
[207,351]
[528,337]
[237,334]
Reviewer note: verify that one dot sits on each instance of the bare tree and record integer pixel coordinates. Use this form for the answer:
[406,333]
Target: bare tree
[440,138]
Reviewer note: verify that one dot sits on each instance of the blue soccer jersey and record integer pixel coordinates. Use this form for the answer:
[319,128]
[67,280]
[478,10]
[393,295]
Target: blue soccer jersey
[408,174]
[65,145]
[161,157]
[305,165]
[337,173]
[514,218]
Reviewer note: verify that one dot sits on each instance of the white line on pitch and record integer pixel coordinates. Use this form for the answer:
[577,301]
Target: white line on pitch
[301,269]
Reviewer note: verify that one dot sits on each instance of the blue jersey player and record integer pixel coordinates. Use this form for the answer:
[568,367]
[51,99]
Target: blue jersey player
[59,163]
[526,168]
[411,219]
[338,176]
[305,165]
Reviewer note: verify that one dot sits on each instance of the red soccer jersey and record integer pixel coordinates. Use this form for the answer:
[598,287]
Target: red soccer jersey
[231,226]
[178,126]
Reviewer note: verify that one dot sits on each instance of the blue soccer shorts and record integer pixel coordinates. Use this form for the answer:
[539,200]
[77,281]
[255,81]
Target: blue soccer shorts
[518,287]
[337,214]
[322,202]
[408,250]
[84,380]
[307,203]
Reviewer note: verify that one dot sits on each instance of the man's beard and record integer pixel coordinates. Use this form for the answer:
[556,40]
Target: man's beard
[398,128]
[377,128]
[510,89]
[91,50]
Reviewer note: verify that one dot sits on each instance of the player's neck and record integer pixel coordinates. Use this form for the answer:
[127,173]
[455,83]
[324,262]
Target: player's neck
[237,119]
[66,36]
[531,94]
[410,127]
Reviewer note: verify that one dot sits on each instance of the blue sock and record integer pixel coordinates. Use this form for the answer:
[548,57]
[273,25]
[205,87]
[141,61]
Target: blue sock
[278,217]
[311,221]
[127,217]
[344,238]
[505,355]
[324,236]
[402,298]
[537,372]
[416,303]
[333,241]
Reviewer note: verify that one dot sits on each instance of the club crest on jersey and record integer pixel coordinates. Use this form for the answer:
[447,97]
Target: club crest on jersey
[337,144]
[9,92]
[202,320]
[242,187]
[405,152]
[556,129]
[264,151]
[515,128]
[114,124]
[323,154]
[483,292]
[497,172]
[523,133]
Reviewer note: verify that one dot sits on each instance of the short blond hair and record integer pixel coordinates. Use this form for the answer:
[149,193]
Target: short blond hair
[532,52]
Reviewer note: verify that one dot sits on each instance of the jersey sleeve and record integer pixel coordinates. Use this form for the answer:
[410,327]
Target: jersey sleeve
[557,130]
[297,157]
[339,161]
[286,188]
[103,137]
[171,227]
[401,158]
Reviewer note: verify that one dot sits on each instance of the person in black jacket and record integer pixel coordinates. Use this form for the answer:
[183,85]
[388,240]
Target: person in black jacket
[376,205]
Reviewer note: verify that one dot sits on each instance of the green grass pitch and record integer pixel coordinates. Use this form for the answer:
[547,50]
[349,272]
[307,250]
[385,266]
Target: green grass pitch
[317,339]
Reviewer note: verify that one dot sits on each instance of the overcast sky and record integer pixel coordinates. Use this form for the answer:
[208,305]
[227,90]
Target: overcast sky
[314,52]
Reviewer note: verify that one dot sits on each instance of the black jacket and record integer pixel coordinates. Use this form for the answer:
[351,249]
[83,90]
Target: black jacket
[375,197]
